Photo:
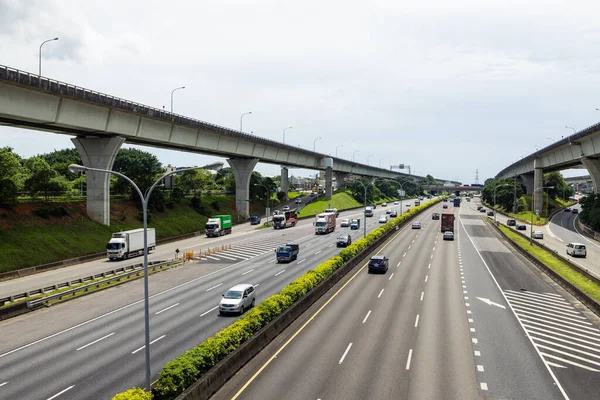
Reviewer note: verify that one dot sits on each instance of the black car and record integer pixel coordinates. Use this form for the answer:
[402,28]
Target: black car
[479,208]
[435,216]
[482,210]
[378,264]
[521,227]
[490,213]
[511,222]
[344,241]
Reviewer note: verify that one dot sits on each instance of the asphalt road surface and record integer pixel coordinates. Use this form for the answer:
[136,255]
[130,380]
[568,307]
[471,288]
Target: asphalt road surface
[92,347]
[463,319]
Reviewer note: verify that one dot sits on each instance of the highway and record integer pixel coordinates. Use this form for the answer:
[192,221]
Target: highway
[466,319]
[560,231]
[92,348]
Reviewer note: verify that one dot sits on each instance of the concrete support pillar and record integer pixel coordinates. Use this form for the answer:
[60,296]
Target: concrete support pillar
[538,195]
[242,171]
[528,182]
[328,183]
[285,183]
[593,167]
[98,152]
[339,178]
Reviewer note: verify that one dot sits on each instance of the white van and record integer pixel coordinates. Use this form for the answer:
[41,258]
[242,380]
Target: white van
[576,250]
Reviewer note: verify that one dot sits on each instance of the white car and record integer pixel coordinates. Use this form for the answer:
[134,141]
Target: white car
[537,235]
[576,250]
[345,222]
[448,235]
[416,225]
[383,219]
[384,205]
[286,208]
[237,299]
[396,203]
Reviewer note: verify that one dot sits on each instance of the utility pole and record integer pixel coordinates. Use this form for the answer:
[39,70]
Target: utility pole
[515,194]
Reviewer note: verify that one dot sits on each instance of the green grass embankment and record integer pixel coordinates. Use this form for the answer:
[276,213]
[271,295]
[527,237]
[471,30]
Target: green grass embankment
[525,216]
[29,240]
[341,200]
[562,268]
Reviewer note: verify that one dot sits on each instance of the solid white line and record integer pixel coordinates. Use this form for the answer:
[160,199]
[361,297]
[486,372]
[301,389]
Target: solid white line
[562,391]
[480,368]
[568,348]
[390,278]
[232,257]
[94,342]
[575,226]
[58,394]
[529,307]
[417,321]
[531,321]
[247,272]
[380,293]
[534,330]
[118,309]
[570,362]
[2,384]
[301,261]
[409,358]
[280,272]
[545,318]
[214,287]
[168,308]
[212,309]
[484,386]
[426,277]
[152,342]
[422,294]
[346,352]
[367,316]
[546,301]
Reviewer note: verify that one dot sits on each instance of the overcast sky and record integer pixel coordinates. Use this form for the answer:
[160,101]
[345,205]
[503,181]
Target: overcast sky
[446,87]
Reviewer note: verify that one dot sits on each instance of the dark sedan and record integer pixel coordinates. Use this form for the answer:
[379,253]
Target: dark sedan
[378,264]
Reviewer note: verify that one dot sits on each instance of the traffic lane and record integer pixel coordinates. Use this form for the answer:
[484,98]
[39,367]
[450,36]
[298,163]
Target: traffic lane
[182,309]
[557,239]
[352,312]
[516,371]
[443,363]
[549,316]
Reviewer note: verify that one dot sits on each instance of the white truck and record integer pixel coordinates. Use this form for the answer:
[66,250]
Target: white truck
[324,223]
[123,245]
[368,211]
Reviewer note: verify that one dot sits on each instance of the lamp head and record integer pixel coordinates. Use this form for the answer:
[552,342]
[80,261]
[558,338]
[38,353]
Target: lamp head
[75,168]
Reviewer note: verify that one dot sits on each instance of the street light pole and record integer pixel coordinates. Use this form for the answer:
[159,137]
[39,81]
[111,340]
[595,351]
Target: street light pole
[289,127]
[369,156]
[173,91]
[40,60]
[570,127]
[356,151]
[315,144]
[268,192]
[532,197]
[74,168]
[241,119]
[380,162]
[337,147]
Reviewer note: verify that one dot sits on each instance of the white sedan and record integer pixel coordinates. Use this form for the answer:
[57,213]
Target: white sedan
[416,225]
[383,219]
[537,235]
[345,222]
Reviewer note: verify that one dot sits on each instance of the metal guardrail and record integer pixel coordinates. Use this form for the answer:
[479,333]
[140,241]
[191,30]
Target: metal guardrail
[33,303]
[112,273]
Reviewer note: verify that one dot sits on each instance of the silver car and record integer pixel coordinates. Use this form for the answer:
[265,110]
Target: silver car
[537,234]
[237,299]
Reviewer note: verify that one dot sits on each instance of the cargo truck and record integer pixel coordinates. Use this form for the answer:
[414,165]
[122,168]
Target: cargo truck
[288,252]
[285,219]
[333,210]
[324,223]
[126,244]
[218,225]
[447,221]
[355,224]
[457,202]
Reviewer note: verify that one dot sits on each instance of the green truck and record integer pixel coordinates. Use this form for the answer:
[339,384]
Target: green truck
[218,225]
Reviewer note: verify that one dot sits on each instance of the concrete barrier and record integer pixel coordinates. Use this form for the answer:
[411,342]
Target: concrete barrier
[13,310]
[587,231]
[590,302]
[216,377]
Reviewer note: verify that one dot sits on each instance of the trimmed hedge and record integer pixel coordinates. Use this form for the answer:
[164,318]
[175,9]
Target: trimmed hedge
[183,371]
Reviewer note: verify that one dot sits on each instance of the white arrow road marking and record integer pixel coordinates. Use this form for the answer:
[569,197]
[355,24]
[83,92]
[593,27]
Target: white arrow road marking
[491,303]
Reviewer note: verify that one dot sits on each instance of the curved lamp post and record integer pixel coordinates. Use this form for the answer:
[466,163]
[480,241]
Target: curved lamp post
[315,144]
[289,127]
[337,147]
[532,197]
[355,151]
[173,91]
[74,168]
[43,43]
[241,119]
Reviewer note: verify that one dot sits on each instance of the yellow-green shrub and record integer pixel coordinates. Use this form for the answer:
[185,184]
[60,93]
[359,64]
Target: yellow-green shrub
[133,394]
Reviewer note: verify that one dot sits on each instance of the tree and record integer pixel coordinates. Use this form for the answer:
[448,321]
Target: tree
[561,189]
[43,179]
[590,211]
[194,180]
[140,166]
[11,176]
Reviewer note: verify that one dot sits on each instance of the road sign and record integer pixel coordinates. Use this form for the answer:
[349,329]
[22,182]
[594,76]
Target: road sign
[401,193]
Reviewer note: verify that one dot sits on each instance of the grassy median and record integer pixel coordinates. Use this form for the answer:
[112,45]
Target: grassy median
[560,267]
